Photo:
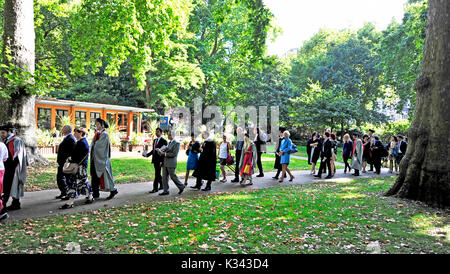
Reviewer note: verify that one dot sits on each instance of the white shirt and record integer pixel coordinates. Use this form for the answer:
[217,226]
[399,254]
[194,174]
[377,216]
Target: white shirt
[3,155]
[223,154]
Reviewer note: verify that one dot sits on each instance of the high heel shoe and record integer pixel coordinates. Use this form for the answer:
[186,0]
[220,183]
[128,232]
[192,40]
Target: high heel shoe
[292,178]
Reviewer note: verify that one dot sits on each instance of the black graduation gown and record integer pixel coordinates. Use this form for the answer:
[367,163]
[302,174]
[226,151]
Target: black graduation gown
[206,168]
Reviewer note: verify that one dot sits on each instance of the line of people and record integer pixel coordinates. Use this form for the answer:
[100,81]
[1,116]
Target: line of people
[73,151]
[368,150]
[202,159]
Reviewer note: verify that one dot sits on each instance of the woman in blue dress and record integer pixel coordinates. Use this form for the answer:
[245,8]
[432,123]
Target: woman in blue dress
[285,150]
[192,151]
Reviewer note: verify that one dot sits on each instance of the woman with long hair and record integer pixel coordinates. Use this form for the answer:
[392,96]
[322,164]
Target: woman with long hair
[313,150]
[347,148]
[393,152]
[192,152]
[248,160]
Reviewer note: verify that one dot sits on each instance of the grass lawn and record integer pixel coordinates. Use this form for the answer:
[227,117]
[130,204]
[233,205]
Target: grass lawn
[346,217]
[131,169]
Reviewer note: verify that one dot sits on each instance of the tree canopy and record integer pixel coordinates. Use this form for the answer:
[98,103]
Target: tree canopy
[163,53]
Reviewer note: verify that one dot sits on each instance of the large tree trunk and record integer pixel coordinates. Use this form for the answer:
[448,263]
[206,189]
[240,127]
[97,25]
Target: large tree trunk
[424,171]
[19,38]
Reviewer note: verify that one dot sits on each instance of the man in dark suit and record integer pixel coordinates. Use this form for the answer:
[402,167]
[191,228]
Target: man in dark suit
[377,151]
[64,151]
[402,146]
[325,155]
[157,160]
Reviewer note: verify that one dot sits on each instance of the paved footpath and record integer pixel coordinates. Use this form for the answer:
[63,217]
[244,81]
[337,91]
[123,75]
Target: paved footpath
[43,203]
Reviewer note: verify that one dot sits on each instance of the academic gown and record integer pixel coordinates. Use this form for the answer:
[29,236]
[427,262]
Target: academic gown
[357,155]
[101,159]
[206,168]
[254,158]
[16,166]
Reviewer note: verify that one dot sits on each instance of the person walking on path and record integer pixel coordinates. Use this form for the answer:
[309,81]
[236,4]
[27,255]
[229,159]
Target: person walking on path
[285,150]
[15,168]
[277,164]
[347,148]
[192,152]
[239,147]
[393,151]
[248,161]
[260,142]
[206,168]
[326,156]
[366,152]
[78,183]
[357,154]
[157,160]
[170,154]
[64,151]
[3,158]
[334,145]
[377,154]
[224,153]
[402,146]
[371,139]
[101,169]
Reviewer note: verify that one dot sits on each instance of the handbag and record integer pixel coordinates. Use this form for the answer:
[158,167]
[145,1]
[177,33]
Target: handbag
[72,168]
[293,149]
[230,160]
[247,169]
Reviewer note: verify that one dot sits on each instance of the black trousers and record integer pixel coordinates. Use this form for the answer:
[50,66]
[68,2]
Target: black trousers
[259,163]
[238,160]
[377,164]
[198,182]
[157,183]
[95,184]
[322,166]
[62,180]
[345,159]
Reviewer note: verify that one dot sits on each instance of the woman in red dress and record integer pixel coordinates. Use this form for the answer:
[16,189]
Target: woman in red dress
[248,160]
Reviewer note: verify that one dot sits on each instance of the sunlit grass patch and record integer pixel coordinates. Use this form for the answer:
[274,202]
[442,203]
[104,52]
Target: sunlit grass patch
[234,197]
[432,225]
[313,218]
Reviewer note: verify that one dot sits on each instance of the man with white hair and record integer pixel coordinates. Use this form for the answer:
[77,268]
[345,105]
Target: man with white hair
[65,149]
